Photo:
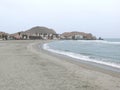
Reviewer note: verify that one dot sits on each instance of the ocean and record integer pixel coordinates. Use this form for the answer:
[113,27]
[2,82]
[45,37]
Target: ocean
[106,52]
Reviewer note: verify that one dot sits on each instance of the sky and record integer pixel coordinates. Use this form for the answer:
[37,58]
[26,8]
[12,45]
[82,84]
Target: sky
[99,17]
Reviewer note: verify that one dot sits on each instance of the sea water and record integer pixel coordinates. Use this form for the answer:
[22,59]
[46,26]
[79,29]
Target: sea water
[106,52]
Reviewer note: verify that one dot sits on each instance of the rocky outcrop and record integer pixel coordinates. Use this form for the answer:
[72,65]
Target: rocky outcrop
[85,36]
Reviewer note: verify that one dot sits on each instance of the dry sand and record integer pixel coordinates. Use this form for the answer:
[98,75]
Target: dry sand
[25,67]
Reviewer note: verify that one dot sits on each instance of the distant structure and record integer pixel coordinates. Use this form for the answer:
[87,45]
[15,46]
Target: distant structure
[37,32]
[3,36]
[77,36]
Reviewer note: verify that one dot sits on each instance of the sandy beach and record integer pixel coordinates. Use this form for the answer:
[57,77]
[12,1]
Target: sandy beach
[26,66]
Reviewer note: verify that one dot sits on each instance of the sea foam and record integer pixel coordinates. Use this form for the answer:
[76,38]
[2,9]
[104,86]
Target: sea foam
[80,57]
[99,41]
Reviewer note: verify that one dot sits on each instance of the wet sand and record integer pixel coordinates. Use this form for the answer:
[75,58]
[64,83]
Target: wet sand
[23,66]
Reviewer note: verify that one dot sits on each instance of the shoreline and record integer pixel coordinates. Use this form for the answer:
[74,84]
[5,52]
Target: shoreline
[113,71]
[82,58]
[26,66]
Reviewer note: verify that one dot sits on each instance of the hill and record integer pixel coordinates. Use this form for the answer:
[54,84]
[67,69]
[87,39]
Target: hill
[39,29]
[80,35]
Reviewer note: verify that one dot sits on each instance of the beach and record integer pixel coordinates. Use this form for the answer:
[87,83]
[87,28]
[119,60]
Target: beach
[24,65]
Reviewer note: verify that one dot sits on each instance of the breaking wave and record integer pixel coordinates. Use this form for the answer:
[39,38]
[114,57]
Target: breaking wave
[80,56]
[100,41]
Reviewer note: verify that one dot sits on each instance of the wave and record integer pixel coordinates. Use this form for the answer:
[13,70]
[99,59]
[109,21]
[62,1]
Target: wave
[80,57]
[99,41]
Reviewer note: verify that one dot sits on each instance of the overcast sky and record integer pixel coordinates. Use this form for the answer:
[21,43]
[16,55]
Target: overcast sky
[99,17]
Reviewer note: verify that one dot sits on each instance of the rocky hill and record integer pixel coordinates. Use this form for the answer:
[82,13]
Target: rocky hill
[39,29]
[35,33]
[86,36]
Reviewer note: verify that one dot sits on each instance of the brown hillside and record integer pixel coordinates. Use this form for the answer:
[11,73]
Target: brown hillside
[39,29]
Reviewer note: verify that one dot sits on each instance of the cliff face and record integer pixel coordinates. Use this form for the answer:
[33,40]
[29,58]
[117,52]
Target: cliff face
[85,36]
